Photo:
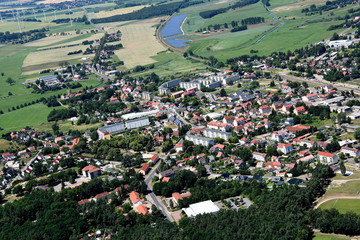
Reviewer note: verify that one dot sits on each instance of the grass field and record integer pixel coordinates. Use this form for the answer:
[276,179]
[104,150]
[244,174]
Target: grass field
[140,44]
[342,177]
[343,205]
[28,116]
[5,144]
[170,63]
[351,188]
[329,237]
[65,126]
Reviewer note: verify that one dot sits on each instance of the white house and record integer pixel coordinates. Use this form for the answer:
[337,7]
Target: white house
[327,158]
[353,152]
[285,147]
[259,156]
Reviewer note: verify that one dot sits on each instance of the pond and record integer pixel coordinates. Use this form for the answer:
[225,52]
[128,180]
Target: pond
[172,32]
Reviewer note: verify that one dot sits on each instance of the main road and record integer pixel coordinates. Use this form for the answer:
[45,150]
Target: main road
[318,81]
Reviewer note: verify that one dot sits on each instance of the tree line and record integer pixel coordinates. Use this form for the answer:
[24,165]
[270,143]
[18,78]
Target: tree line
[212,13]
[149,12]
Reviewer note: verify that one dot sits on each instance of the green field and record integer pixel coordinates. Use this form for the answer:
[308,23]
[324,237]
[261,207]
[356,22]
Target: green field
[298,30]
[170,63]
[28,116]
[65,126]
[343,205]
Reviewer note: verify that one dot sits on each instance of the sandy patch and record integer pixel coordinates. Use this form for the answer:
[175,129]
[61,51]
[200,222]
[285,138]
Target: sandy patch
[53,1]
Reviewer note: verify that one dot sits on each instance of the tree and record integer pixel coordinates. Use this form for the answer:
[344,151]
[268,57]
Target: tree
[357,134]
[94,135]
[342,168]
[10,81]
[320,136]
[223,93]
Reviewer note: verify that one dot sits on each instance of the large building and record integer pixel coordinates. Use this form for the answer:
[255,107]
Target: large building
[340,43]
[199,140]
[212,133]
[164,88]
[201,208]
[106,131]
[91,172]
[327,158]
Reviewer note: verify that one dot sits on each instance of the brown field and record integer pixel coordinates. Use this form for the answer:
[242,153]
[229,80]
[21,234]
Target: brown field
[103,14]
[139,44]
[53,39]
[53,1]
[91,38]
[40,60]
[299,4]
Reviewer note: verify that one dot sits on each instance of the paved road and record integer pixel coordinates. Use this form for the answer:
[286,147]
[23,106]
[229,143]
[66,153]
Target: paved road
[152,197]
[322,83]
[19,177]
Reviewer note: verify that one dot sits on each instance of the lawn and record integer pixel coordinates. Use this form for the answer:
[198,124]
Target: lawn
[28,116]
[5,144]
[343,205]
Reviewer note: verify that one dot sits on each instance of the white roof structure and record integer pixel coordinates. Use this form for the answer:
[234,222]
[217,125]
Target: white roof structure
[139,114]
[214,115]
[201,208]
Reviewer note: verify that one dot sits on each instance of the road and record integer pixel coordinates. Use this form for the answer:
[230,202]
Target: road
[19,177]
[322,83]
[152,197]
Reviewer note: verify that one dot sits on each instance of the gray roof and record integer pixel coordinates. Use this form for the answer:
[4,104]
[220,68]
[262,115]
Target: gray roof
[115,128]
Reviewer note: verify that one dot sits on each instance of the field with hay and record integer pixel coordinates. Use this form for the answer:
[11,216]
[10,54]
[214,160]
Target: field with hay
[120,11]
[140,44]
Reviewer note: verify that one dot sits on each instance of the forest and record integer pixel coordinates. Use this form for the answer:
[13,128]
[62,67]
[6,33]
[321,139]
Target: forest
[214,12]
[283,213]
[149,12]
[23,37]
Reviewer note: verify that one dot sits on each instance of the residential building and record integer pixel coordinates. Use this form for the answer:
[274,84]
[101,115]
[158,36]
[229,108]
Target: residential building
[212,133]
[327,158]
[285,148]
[200,140]
[353,152]
[91,172]
[259,156]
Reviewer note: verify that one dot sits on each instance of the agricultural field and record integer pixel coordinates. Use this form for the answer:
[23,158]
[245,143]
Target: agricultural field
[140,44]
[343,205]
[170,63]
[120,11]
[28,116]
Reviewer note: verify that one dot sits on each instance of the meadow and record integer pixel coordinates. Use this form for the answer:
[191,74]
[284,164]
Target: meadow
[28,116]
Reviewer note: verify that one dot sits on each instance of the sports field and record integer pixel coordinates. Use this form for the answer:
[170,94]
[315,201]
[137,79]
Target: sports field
[343,205]
[350,188]
[330,237]
[140,44]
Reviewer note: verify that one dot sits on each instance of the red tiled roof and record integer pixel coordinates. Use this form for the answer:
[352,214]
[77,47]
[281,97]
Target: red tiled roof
[326,154]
